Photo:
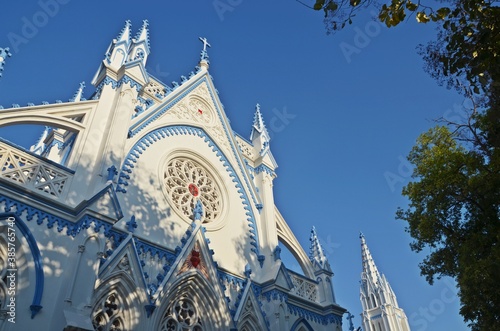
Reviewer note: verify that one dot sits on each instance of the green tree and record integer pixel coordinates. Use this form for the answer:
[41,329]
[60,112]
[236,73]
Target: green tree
[454,196]
[454,215]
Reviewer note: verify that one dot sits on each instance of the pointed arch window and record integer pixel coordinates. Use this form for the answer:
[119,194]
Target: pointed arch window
[108,313]
[182,315]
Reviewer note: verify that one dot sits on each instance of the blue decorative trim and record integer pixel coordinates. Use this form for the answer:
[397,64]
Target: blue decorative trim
[257,291]
[314,317]
[132,224]
[276,295]
[126,79]
[277,253]
[264,168]
[37,258]
[150,138]
[149,309]
[72,228]
[261,259]
[232,279]
[115,84]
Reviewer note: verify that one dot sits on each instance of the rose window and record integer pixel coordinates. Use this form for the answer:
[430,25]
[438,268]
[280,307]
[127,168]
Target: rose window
[186,182]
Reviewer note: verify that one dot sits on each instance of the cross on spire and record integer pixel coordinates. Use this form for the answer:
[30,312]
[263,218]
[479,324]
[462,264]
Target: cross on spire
[205,43]
[204,54]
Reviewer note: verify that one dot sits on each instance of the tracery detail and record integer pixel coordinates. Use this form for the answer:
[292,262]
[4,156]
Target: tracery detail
[186,182]
[107,314]
[181,316]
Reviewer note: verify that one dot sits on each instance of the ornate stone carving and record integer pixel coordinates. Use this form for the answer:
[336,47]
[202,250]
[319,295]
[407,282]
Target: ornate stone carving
[186,182]
[30,172]
[304,288]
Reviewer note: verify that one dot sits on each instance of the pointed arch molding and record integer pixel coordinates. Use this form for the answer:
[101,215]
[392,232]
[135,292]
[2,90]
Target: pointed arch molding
[55,115]
[208,299]
[161,133]
[301,322]
[39,276]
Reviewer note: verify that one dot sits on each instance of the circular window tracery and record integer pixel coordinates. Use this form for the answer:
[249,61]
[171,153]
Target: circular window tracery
[182,315]
[186,182]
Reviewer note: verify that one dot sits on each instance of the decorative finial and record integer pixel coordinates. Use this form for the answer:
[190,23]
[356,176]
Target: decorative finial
[350,317]
[4,53]
[132,224]
[78,96]
[259,129]
[204,54]
[316,253]
[198,210]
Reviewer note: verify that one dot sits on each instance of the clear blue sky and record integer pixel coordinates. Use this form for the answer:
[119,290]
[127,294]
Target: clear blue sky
[354,102]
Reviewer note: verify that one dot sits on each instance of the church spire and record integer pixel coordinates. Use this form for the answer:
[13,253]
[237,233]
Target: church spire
[381,311]
[316,254]
[369,268]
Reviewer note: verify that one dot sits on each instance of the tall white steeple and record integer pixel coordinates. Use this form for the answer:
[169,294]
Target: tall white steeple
[381,311]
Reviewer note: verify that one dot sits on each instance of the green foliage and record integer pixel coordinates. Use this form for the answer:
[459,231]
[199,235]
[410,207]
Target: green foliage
[454,209]
[454,213]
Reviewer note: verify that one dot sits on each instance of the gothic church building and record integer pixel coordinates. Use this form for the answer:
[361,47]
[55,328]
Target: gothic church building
[141,209]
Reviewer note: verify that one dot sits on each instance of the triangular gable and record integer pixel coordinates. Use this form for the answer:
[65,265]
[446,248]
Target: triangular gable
[283,279]
[249,311]
[123,260]
[104,203]
[203,273]
[194,242]
[195,103]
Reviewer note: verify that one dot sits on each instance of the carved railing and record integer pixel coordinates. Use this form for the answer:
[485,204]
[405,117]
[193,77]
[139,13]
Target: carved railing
[304,287]
[32,172]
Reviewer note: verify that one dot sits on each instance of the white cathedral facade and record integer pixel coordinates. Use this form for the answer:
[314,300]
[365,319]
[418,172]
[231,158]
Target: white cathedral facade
[141,209]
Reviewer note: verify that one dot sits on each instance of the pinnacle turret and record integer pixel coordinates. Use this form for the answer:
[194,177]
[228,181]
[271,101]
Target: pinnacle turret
[125,33]
[140,48]
[78,96]
[259,135]
[125,50]
[316,254]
